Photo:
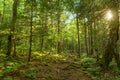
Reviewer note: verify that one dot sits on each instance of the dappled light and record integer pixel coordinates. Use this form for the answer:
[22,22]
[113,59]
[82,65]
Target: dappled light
[39,54]
[58,56]
[53,56]
[59,40]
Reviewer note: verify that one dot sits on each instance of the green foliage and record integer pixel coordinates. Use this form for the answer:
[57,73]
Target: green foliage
[50,17]
[113,64]
[117,71]
[88,60]
[10,66]
[1,74]
[116,78]
[94,70]
[88,64]
[31,73]
[8,78]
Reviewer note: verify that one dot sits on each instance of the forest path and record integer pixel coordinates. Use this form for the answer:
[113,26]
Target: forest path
[49,68]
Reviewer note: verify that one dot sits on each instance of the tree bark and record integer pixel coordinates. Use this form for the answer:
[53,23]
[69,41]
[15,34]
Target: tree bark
[42,37]
[58,25]
[2,19]
[85,37]
[91,39]
[78,34]
[31,24]
[11,37]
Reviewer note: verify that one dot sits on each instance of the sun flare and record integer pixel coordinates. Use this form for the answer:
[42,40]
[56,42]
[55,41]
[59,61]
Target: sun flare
[109,15]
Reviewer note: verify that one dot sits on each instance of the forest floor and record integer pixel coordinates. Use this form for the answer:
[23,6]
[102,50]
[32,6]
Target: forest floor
[49,67]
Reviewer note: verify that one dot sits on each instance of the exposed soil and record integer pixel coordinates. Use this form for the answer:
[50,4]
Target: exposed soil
[49,69]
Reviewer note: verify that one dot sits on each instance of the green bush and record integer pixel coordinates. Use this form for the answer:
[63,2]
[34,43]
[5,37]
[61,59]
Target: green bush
[88,60]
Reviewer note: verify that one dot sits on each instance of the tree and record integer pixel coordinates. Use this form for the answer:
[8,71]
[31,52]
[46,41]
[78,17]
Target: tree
[58,25]
[31,26]
[85,35]
[112,46]
[11,36]
[77,25]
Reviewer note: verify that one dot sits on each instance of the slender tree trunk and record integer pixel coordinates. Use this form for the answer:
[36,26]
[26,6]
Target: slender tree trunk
[85,36]
[42,37]
[11,37]
[78,34]
[42,34]
[9,45]
[88,33]
[2,20]
[0,34]
[52,32]
[0,38]
[58,46]
[46,31]
[73,40]
[14,45]
[43,28]
[31,24]
[58,25]
[91,39]
[93,30]
[0,43]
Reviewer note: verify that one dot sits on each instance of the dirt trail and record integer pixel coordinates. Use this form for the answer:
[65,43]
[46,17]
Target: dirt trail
[61,71]
[49,69]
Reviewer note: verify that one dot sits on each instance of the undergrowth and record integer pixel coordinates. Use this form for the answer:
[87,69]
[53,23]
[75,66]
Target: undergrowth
[87,64]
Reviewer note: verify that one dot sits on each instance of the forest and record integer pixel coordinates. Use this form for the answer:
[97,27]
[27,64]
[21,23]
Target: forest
[59,40]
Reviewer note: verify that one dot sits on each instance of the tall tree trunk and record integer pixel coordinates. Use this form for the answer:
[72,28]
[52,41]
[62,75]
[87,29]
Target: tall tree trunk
[88,33]
[73,45]
[85,37]
[2,20]
[0,44]
[78,34]
[31,24]
[42,33]
[58,25]
[52,32]
[91,39]
[42,37]
[43,27]
[0,34]
[93,30]
[111,50]
[11,37]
